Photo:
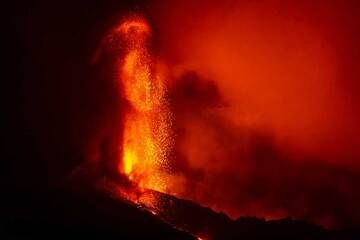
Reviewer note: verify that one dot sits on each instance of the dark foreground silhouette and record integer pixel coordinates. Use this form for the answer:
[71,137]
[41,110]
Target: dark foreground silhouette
[83,210]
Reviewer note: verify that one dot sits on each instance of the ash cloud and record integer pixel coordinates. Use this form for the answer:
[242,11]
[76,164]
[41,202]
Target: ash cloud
[242,170]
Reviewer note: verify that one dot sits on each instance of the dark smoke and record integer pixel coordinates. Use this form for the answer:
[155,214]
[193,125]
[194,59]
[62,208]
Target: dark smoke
[246,173]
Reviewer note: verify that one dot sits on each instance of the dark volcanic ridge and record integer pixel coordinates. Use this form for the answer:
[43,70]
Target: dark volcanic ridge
[100,208]
[205,223]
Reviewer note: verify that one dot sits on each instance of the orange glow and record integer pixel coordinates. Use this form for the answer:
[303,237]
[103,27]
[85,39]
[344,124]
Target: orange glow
[279,67]
[136,25]
[147,122]
[266,94]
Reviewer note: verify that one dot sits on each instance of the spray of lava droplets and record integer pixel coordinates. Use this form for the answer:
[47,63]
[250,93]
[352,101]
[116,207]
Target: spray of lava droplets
[147,139]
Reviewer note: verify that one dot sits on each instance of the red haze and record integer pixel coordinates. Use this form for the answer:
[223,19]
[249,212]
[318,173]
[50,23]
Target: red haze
[267,118]
[264,101]
[285,66]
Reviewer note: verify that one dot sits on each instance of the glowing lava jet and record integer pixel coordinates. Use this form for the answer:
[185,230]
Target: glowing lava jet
[146,141]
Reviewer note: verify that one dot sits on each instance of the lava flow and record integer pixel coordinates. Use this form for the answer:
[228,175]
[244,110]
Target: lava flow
[147,139]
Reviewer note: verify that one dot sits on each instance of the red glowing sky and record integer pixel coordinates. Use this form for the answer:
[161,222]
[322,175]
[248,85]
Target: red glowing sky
[292,68]
[264,97]
[284,134]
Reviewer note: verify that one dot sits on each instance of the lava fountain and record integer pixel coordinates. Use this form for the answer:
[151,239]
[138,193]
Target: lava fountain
[147,139]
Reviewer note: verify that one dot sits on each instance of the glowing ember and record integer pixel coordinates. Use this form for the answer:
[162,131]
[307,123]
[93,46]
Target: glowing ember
[147,122]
